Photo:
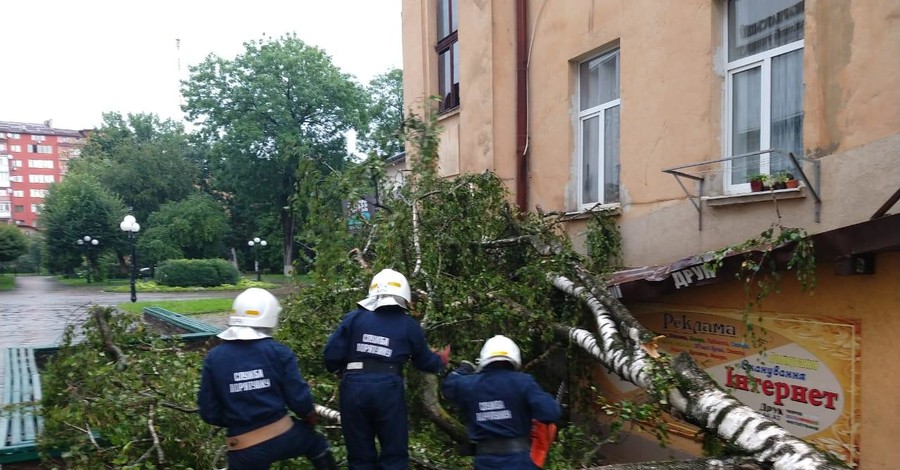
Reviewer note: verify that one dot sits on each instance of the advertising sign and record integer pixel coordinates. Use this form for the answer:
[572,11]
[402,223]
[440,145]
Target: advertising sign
[801,372]
[358,211]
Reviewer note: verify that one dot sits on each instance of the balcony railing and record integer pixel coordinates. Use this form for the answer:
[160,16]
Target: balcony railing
[700,171]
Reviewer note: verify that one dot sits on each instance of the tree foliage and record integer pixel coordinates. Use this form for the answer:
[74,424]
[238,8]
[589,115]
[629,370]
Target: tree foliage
[193,228]
[130,411]
[144,160]
[13,243]
[274,105]
[384,137]
[78,206]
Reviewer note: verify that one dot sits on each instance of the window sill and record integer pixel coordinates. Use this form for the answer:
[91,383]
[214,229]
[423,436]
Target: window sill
[613,209]
[759,196]
[447,114]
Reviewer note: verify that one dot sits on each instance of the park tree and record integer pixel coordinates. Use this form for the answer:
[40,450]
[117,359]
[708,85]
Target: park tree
[13,244]
[145,160]
[384,136]
[80,205]
[276,104]
[194,228]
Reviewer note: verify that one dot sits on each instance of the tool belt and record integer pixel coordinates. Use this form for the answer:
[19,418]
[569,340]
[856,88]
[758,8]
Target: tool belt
[372,365]
[503,446]
[250,439]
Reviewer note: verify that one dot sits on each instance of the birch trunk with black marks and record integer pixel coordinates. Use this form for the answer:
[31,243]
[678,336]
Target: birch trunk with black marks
[622,347]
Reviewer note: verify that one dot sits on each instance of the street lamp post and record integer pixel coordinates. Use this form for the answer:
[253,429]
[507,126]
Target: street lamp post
[130,226]
[255,244]
[86,242]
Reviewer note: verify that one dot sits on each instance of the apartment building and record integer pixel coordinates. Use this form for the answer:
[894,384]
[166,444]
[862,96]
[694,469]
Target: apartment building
[32,156]
[665,115]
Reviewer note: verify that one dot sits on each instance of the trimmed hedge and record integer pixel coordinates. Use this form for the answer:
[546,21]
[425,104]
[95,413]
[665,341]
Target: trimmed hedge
[196,273]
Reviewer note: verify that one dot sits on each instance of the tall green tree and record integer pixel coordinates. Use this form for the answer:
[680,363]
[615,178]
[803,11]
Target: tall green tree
[12,243]
[195,227]
[384,137]
[145,160]
[80,205]
[279,102]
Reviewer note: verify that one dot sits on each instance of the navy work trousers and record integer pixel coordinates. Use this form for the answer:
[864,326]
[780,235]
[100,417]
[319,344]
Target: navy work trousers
[374,405]
[516,461]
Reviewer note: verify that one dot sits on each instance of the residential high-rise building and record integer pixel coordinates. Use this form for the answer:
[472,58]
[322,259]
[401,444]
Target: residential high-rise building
[31,157]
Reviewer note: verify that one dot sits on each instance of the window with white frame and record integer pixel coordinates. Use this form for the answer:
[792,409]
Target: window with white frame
[17,163]
[38,192]
[36,208]
[15,148]
[598,130]
[40,163]
[38,138]
[2,147]
[16,179]
[18,193]
[4,208]
[13,135]
[40,178]
[764,88]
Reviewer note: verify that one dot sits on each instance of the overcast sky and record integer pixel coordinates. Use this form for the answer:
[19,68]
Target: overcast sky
[70,60]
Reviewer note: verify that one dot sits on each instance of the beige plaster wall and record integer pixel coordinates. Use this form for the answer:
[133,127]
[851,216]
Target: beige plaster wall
[852,73]
[480,134]
[672,95]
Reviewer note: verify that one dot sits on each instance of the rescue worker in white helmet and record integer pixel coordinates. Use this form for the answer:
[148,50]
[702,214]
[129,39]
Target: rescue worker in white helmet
[369,349]
[499,404]
[248,384]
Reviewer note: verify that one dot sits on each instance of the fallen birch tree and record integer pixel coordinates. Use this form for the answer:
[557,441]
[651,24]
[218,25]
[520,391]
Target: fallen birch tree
[479,268]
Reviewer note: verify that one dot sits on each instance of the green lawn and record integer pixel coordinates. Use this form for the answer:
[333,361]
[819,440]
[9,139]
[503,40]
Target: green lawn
[7,282]
[184,307]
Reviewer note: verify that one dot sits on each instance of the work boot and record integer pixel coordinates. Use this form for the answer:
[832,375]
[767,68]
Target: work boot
[324,462]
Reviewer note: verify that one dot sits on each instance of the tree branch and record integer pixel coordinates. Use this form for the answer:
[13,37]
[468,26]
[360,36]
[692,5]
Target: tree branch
[108,345]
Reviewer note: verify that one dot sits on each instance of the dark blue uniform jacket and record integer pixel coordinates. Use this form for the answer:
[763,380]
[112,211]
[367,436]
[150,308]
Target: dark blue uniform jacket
[499,403]
[387,334]
[247,384]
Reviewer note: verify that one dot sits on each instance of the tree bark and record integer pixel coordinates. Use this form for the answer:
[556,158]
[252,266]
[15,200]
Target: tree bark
[697,397]
[699,464]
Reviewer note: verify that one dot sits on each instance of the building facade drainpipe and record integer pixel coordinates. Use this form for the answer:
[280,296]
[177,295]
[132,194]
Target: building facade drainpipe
[521,105]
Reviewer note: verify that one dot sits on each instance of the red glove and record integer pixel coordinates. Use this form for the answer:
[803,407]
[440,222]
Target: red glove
[444,354]
[312,418]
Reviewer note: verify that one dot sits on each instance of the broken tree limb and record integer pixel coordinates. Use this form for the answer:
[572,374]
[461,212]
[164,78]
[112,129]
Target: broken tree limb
[99,314]
[697,397]
[328,413]
[436,413]
[699,464]
[709,406]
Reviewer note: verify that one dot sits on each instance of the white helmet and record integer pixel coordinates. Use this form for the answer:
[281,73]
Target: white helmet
[388,287]
[255,307]
[500,348]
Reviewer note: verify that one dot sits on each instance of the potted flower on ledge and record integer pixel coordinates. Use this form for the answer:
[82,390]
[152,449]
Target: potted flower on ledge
[758,182]
[779,180]
[790,181]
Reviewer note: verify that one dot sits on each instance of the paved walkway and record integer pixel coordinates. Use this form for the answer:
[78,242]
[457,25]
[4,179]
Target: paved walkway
[38,310]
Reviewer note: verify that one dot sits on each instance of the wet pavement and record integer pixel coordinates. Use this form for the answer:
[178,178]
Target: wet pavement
[38,310]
